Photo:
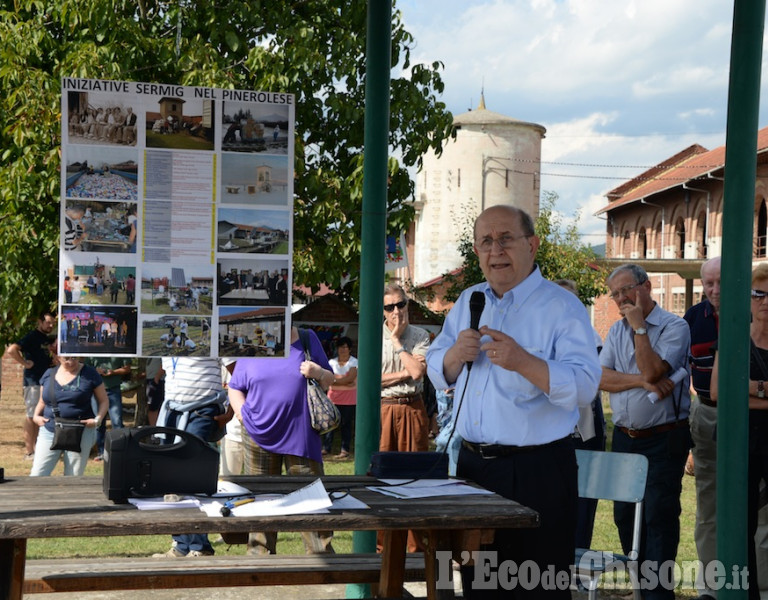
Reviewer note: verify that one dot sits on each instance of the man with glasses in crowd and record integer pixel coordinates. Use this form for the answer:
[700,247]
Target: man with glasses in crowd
[534,362]
[703,322]
[404,422]
[641,352]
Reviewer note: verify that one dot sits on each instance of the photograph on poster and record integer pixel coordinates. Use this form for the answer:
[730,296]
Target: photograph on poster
[254,127]
[181,123]
[253,231]
[106,173]
[171,335]
[101,118]
[186,290]
[98,226]
[252,332]
[99,283]
[98,330]
[254,179]
[248,282]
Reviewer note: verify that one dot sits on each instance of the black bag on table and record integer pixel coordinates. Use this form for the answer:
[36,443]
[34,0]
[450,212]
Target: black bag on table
[154,461]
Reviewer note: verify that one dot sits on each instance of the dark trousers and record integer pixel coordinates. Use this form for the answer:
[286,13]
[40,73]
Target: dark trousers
[202,425]
[660,534]
[347,425]
[544,479]
[758,469]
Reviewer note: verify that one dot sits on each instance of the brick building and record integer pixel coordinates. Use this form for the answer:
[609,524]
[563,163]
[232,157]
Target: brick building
[669,220]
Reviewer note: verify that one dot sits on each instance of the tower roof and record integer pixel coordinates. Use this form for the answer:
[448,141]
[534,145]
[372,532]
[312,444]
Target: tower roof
[483,116]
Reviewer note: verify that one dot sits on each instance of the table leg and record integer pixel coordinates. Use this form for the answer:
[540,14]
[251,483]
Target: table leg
[392,563]
[13,554]
[438,540]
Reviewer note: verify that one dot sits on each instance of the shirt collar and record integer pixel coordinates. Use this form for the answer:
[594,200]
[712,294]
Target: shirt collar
[520,292]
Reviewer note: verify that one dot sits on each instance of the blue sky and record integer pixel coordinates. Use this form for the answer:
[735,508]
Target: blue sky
[619,85]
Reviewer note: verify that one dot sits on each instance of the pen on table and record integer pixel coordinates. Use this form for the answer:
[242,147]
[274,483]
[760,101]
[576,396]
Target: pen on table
[226,510]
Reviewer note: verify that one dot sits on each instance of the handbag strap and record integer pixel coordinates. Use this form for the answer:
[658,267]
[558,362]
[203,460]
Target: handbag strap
[52,393]
[304,338]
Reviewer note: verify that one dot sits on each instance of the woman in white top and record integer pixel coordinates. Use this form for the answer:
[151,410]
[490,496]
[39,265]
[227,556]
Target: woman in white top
[343,393]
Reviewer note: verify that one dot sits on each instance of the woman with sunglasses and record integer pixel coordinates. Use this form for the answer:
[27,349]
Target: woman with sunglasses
[758,411]
[73,385]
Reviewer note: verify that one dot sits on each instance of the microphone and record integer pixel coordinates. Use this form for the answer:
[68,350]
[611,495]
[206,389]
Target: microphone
[476,307]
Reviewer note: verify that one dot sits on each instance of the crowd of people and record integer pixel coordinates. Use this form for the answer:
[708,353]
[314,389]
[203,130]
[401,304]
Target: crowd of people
[92,289]
[275,284]
[517,368]
[112,125]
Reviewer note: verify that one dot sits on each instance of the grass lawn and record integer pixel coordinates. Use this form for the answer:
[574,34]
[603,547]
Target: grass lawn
[11,458]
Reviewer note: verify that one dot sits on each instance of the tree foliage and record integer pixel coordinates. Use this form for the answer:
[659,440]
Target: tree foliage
[312,48]
[561,255]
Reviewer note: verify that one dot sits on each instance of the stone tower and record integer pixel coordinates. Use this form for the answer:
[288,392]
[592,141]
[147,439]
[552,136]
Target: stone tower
[493,160]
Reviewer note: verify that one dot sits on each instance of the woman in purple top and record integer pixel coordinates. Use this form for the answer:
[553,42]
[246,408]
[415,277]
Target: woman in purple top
[269,397]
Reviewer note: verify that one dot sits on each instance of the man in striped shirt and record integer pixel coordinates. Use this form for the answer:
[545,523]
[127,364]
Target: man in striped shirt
[73,232]
[194,399]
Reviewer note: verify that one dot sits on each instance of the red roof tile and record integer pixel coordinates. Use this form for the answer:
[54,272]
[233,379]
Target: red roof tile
[688,165]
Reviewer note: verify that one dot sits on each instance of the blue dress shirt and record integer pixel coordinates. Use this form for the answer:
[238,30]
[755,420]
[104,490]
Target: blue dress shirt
[501,406]
[670,338]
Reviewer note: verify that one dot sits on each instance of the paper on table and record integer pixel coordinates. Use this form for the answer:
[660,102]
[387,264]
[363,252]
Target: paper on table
[310,498]
[223,488]
[227,488]
[426,488]
[348,502]
[160,504]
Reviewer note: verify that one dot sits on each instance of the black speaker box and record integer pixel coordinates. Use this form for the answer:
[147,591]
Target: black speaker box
[154,461]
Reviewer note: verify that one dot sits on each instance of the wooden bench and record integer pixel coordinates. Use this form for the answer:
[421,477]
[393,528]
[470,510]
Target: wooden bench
[98,574]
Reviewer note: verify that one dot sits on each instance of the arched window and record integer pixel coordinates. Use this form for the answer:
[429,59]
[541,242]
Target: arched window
[760,232]
[680,238]
[701,234]
[642,244]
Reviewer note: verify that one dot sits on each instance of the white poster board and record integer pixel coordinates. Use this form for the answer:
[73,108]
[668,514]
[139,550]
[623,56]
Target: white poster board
[176,220]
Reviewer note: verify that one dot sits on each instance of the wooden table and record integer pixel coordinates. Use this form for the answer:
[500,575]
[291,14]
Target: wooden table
[53,507]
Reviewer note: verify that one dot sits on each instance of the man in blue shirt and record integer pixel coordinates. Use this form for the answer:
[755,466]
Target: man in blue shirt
[534,362]
[641,352]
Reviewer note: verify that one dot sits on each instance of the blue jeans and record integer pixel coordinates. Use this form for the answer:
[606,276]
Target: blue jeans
[46,459]
[201,424]
[115,416]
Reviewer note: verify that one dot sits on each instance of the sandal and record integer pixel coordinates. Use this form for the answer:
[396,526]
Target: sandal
[689,466]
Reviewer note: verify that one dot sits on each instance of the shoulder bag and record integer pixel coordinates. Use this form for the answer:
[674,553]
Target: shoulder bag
[323,414]
[67,433]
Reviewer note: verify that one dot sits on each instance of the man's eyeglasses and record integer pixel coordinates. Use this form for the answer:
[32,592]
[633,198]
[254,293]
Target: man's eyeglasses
[504,242]
[625,290]
[401,305]
[758,294]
